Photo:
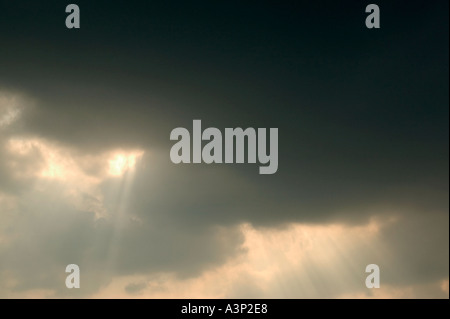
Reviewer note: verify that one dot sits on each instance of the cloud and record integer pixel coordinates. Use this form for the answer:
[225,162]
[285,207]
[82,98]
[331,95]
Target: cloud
[124,212]
[299,261]
[66,208]
[135,288]
[44,233]
[86,178]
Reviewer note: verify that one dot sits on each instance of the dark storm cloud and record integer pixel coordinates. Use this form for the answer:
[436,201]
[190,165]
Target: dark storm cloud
[350,104]
[421,247]
[362,116]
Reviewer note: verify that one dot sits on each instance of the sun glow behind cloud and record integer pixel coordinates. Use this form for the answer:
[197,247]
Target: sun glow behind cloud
[277,263]
[62,163]
[300,260]
[121,162]
[79,174]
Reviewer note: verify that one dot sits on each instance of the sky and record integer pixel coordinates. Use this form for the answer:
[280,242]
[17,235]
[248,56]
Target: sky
[363,149]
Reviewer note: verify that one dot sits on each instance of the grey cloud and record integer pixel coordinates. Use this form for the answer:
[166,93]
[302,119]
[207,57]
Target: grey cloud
[45,233]
[412,254]
[135,288]
[363,132]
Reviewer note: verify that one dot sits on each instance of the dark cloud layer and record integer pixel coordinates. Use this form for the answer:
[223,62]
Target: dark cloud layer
[362,118]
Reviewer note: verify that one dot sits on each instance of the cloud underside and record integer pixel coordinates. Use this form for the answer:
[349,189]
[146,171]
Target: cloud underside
[140,226]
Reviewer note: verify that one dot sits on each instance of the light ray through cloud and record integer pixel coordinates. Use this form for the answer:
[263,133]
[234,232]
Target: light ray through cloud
[86,175]
[122,166]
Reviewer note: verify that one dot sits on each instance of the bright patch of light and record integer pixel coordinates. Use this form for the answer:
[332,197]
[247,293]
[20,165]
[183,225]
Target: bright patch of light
[79,174]
[277,263]
[122,162]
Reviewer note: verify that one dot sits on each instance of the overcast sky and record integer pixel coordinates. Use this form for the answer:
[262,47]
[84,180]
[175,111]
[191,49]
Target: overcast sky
[86,177]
